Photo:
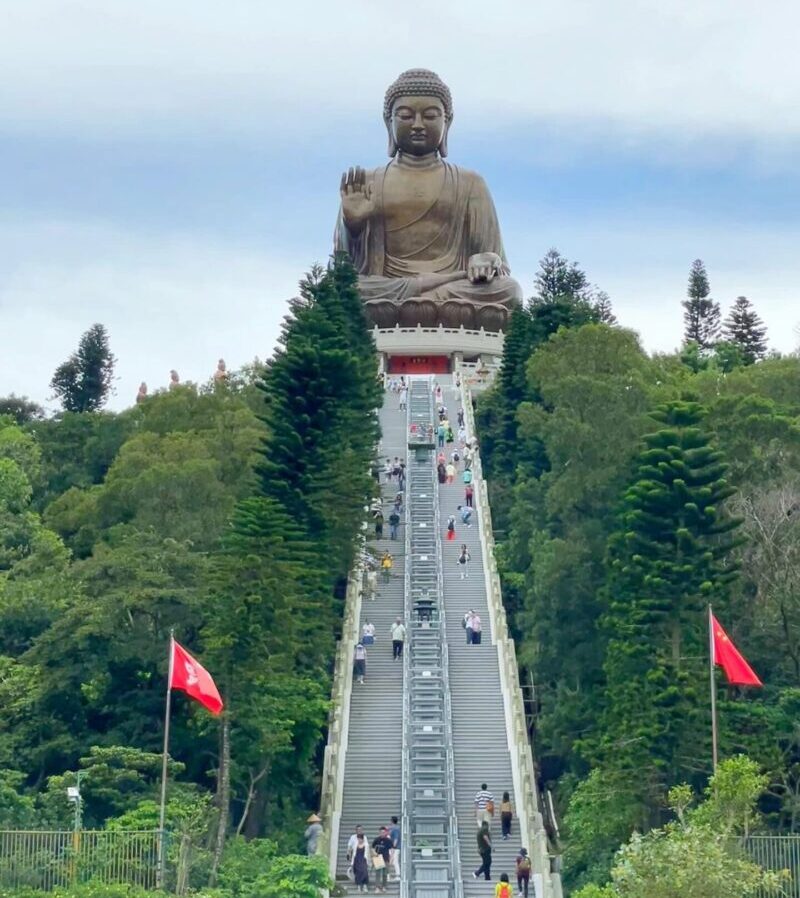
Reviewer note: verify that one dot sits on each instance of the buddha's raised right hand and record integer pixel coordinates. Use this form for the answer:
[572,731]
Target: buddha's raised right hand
[358,204]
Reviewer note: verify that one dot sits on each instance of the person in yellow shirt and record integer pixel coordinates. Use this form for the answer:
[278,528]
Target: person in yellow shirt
[502,889]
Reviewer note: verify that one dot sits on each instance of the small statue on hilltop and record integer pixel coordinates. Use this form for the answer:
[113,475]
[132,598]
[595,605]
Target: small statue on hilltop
[422,232]
[142,394]
[221,374]
[174,380]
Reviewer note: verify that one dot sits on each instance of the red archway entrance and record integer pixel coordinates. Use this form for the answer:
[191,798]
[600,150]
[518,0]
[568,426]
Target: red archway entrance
[418,364]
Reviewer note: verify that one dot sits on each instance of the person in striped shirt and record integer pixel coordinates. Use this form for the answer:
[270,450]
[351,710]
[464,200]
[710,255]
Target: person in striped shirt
[484,805]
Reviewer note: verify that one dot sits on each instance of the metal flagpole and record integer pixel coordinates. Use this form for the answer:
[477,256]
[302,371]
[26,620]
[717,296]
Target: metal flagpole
[713,688]
[163,809]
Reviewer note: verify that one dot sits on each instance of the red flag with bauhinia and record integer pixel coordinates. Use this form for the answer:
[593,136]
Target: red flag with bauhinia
[726,655]
[188,674]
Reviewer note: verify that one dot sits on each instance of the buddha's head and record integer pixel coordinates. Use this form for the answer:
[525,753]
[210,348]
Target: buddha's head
[418,110]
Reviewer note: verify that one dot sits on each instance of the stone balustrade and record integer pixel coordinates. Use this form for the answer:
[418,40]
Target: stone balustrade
[339,722]
[531,823]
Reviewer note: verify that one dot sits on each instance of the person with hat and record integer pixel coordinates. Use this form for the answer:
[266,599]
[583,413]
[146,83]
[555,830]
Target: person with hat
[523,872]
[312,834]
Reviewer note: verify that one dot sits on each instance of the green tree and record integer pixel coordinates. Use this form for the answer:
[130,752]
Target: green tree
[669,557]
[746,330]
[83,382]
[697,854]
[557,277]
[701,315]
[21,409]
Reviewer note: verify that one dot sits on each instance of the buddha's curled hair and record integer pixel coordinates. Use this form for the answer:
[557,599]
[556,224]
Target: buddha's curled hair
[419,83]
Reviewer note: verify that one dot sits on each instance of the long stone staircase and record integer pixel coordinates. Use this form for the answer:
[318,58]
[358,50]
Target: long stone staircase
[372,790]
[419,738]
[480,735]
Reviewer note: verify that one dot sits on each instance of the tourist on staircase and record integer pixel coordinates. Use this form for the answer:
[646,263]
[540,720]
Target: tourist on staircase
[394,835]
[506,815]
[476,628]
[387,563]
[502,889]
[523,872]
[360,663]
[463,561]
[358,856]
[484,805]
[381,858]
[368,633]
[398,638]
[467,624]
[485,851]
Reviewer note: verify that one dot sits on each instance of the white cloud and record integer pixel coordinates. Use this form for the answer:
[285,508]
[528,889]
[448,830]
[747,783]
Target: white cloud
[167,301]
[683,68]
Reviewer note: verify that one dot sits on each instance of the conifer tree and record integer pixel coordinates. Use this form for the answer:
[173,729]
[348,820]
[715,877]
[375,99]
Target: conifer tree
[668,558]
[603,309]
[701,316]
[558,277]
[83,382]
[746,330]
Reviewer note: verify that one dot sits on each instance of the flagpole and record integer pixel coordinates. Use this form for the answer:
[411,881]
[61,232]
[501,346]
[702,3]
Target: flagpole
[714,735]
[162,814]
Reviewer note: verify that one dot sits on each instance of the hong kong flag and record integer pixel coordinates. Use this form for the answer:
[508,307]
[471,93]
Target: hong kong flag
[726,655]
[188,674]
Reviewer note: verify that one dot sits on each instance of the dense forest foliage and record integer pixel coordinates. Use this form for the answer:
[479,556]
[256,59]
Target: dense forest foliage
[629,492]
[229,512]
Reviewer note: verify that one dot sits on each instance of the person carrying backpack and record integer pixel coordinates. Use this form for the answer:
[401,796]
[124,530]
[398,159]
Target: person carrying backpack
[502,889]
[476,628]
[451,528]
[463,561]
[523,872]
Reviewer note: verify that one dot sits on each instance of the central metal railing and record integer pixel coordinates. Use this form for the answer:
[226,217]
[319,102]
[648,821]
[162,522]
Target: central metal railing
[430,858]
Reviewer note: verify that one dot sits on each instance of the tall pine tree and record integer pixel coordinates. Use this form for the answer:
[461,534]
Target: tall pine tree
[83,382]
[273,612]
[746,330]
[701,315]
[669,557]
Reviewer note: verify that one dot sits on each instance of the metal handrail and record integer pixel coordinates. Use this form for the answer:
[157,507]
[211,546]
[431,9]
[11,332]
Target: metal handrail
[455,848]
[405,816]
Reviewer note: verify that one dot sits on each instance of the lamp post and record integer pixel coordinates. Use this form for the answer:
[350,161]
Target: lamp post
[74,795]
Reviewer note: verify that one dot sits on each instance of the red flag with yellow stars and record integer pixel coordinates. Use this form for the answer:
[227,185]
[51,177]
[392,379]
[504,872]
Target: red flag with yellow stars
[726,655]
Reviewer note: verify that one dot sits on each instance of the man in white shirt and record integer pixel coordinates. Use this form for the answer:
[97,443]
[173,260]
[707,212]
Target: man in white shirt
[398,632]
[484,805]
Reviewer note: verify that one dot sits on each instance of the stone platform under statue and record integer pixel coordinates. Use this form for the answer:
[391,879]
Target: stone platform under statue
[423,233]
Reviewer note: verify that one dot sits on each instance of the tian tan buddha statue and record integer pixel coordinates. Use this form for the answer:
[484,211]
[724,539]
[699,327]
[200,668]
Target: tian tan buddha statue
[422,232]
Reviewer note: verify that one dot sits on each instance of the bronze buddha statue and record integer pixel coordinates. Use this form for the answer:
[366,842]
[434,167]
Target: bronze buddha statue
[422,232]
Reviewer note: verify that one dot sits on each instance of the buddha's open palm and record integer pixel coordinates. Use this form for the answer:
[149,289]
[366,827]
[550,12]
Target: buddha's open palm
[358,204]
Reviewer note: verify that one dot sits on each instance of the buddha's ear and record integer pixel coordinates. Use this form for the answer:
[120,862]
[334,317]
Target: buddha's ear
[392,150]
[443,144]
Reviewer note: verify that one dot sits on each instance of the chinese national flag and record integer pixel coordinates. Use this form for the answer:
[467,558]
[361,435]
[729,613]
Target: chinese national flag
[189,675]
[726,655]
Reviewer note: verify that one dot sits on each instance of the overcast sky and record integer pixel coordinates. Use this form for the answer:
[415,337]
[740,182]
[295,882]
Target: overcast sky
[171,169]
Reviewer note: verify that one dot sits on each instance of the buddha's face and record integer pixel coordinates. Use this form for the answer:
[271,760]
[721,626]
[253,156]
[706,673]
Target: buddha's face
[418,125]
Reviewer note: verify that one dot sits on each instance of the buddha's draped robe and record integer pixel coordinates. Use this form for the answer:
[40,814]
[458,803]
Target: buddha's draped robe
[470,227]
